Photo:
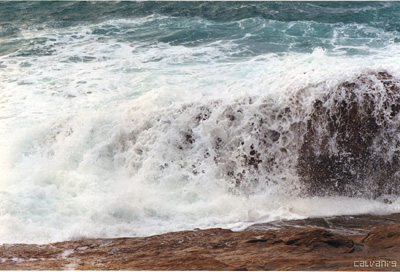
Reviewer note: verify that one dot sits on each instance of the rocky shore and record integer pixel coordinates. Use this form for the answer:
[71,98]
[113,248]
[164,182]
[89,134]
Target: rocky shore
[338,243]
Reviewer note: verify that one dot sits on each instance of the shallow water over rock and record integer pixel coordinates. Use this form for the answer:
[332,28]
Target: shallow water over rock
[344,225]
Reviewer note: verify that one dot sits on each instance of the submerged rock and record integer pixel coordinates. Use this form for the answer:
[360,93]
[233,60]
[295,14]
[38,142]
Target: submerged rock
[351,146]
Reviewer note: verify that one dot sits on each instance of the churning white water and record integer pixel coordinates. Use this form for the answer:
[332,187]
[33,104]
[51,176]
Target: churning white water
[103,137]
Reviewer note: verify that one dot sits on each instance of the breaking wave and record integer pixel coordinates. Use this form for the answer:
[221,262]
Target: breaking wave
[132,122]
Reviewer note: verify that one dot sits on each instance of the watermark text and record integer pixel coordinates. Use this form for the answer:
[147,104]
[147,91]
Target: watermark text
[375,264]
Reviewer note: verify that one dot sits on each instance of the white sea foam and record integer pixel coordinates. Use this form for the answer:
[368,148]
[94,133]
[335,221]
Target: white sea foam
[94,136]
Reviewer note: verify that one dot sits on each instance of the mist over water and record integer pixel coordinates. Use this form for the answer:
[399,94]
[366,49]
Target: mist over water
[138,118]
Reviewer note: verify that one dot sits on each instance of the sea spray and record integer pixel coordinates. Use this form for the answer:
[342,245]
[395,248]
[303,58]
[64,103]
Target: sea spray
[138,119]
[140,170]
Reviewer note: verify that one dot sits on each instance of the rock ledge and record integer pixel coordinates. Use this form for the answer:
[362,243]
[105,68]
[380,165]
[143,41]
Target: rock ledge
[305,248]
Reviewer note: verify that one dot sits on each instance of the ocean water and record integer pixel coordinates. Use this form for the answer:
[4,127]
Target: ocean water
[139,118]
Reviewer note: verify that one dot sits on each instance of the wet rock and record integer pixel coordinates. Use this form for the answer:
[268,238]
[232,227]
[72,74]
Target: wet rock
[387,238]
[344,224]
[213,249]
[351,136]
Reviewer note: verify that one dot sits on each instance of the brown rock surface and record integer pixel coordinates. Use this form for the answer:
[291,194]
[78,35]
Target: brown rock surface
[348,225]
[216,249]
[349,137]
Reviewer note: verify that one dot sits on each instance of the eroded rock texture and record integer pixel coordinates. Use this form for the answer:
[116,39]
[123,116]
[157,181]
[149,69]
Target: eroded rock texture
[352,145]
[216,249]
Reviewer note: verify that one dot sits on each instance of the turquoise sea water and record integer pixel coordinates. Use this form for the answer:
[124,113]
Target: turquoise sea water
[252,28]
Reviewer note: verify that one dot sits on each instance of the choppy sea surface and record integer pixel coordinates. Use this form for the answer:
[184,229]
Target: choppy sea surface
[130,118]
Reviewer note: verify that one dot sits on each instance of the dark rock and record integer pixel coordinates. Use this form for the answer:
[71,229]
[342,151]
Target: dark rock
[350,135]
